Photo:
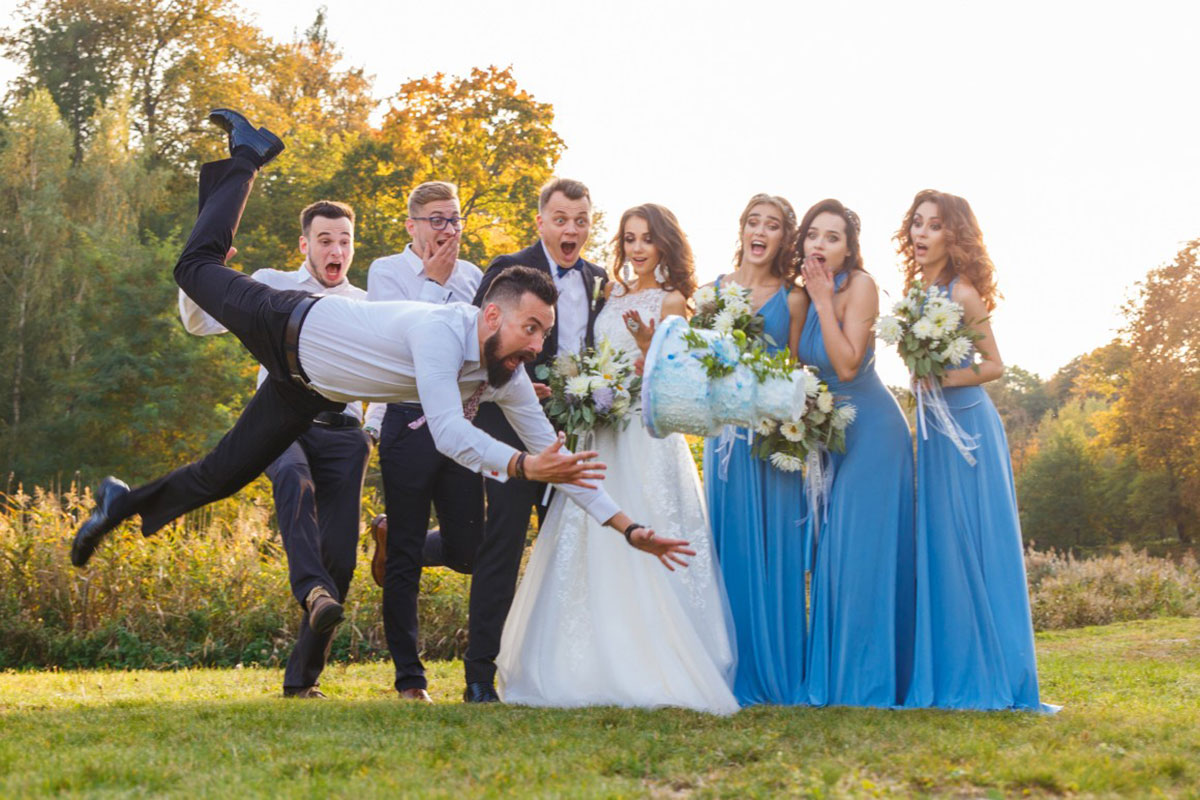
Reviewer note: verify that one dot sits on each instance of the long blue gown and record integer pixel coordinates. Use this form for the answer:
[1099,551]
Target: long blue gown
[974,636]
[860,640]
[757,515]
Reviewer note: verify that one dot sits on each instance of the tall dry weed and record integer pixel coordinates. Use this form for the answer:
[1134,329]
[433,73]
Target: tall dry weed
[212,590]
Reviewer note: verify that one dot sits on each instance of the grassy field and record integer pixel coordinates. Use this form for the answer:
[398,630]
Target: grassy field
[1130,727]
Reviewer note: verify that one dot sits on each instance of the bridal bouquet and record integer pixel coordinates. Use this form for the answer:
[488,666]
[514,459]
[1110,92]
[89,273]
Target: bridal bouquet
[590,390]
[928,331]
[726,309]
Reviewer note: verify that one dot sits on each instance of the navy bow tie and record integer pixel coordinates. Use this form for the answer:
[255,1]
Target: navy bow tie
[564,270]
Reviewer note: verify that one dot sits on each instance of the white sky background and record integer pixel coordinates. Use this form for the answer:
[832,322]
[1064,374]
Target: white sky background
[1070,127]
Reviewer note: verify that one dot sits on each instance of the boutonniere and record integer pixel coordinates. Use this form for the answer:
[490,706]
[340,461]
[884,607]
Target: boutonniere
[597,285]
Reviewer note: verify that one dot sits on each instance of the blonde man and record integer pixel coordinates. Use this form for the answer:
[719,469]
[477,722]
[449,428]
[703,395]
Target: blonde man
[415,475]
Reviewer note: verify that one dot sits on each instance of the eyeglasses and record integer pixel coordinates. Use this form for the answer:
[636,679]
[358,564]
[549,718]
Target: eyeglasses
[438,223]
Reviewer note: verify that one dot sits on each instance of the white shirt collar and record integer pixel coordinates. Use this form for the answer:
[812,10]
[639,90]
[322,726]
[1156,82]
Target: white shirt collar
[414,262]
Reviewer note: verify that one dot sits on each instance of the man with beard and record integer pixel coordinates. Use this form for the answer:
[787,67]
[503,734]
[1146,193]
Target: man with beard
[415,475]
[324,468]
[564,220]
[322,352]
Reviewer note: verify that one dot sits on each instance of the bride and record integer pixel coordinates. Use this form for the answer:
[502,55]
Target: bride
[594,621]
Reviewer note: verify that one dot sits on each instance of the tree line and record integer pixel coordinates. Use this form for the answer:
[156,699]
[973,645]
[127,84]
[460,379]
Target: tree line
[101,136]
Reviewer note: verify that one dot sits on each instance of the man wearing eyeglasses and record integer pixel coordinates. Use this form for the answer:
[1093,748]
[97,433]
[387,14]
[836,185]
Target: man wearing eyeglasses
[415,474]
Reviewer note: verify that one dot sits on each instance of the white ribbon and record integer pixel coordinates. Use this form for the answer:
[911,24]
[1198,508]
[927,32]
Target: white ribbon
[930,397]
[728,436]
[818,483]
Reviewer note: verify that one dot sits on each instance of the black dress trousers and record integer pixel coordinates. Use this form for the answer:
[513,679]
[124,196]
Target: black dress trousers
[257,315]
[317,484]
[416,476]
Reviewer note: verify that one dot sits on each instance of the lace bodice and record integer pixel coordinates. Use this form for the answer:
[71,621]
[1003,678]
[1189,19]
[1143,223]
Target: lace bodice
[610,325]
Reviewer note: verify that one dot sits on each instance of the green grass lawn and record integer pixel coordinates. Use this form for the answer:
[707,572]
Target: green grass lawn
[1131,726]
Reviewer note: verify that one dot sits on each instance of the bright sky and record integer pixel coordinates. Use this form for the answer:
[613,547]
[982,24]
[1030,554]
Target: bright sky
[1070,127]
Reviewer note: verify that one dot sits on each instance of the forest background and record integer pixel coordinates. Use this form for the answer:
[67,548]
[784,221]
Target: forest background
[101,135]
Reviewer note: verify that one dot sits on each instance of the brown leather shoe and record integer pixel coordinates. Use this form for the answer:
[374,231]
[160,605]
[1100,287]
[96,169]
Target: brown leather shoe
[379,558]
[324,613]
[307,693]
[416,695]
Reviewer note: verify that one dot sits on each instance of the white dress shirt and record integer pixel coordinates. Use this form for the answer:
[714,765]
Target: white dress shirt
[572,308]
[198,322]
[411,352]
[403,277]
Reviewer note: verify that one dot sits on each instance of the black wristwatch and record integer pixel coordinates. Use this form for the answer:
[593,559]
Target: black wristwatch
[629,529]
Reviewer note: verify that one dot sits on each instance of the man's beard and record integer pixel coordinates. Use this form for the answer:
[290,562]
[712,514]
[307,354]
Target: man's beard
[498,374]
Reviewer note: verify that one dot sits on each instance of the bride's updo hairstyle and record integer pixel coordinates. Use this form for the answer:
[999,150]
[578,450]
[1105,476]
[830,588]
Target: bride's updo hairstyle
[964,244]
[673,248]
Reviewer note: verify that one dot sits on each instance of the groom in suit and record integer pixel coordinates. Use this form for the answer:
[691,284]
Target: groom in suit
[564,221]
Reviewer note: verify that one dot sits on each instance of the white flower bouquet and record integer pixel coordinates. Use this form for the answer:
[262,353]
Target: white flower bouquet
[590,389]
[726,309]
[929,332]
[822,424]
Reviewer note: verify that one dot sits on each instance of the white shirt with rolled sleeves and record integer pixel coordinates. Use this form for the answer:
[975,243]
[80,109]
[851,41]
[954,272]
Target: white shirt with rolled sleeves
[402,276]
[411,352]
[573,306]
[199,323]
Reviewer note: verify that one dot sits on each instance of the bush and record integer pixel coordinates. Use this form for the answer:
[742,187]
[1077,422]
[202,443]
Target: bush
[209,594]
[212,590]
[1067,592]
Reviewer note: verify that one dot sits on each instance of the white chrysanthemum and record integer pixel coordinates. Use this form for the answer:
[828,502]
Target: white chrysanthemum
[888,329]
[957,349]
[603,379]
[843,415]
[924,328]
[786,463]
[793,431]
[812,384]
[733,289]
[579,386]
[737,305]
[723,323]
[825,402]
[705,298]
[766,426]
[565,366]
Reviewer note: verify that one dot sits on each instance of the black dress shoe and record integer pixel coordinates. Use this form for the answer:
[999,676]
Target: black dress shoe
[259,146]
[480,693]
[100,522]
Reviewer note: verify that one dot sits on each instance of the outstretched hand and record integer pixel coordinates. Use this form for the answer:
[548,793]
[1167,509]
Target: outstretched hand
[552,465]
[666,550]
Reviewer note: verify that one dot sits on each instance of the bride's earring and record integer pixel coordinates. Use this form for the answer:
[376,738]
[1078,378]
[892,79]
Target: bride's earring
[627,272]
[660,273]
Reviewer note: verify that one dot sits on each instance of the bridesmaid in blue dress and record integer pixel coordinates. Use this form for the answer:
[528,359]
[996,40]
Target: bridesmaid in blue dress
[860,639]
[756,511]
[974,637]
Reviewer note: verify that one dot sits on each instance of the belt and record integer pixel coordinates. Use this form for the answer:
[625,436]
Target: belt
[332,419]
[291,342]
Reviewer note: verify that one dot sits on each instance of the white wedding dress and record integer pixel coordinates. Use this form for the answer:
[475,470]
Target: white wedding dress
[596,622]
